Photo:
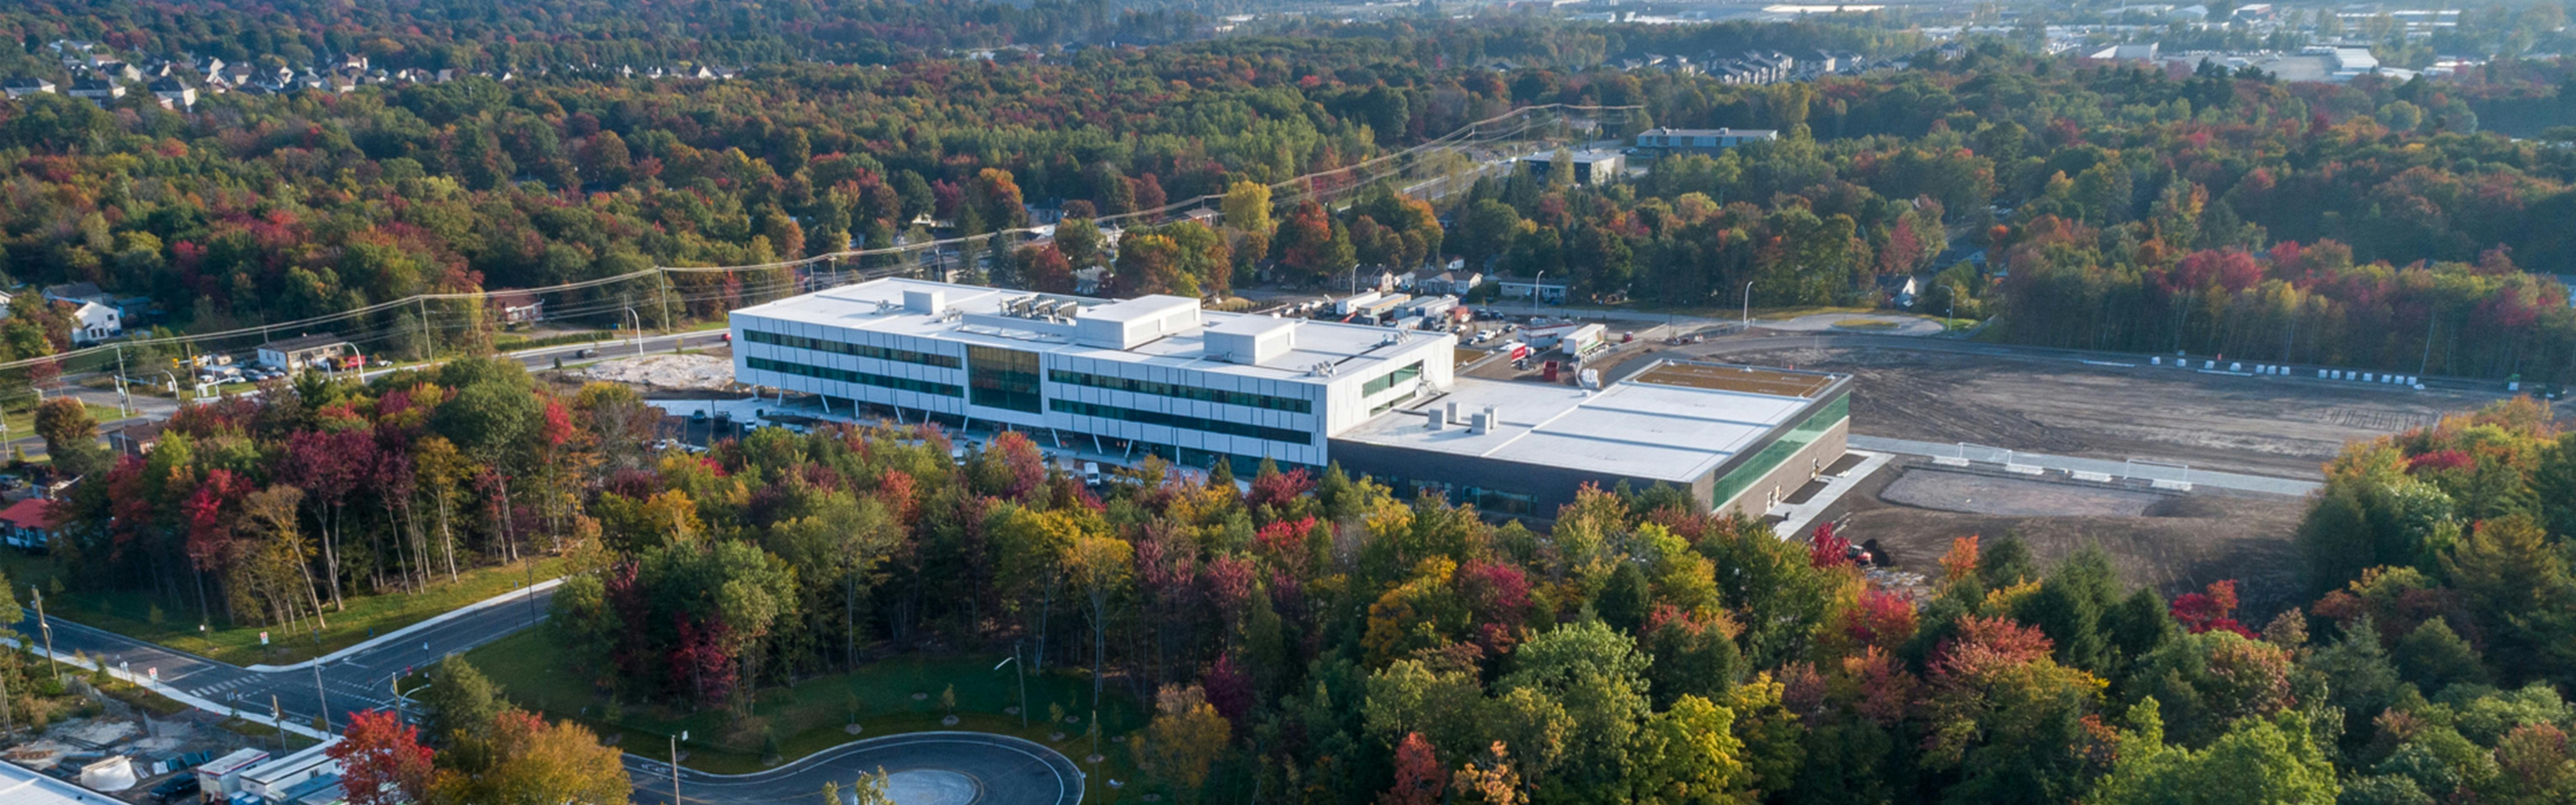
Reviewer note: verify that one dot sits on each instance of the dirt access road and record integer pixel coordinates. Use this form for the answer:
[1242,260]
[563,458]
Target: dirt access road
[1948,391]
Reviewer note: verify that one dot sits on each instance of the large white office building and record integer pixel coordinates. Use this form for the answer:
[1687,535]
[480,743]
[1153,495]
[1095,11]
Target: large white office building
[1155,374]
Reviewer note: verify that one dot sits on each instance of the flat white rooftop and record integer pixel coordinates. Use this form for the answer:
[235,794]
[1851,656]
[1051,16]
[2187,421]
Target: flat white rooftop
[982,318]
[1672,422]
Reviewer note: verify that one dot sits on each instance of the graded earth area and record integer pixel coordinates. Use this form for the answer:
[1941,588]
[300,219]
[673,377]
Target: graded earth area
[2175,543]
[2280,426]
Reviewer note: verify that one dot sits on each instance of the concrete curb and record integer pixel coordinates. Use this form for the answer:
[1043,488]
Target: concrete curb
[407,631]
[174,694]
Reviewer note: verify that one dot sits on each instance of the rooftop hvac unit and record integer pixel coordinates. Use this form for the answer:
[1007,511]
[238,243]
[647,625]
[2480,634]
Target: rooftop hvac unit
[1481,423]
[1438,420]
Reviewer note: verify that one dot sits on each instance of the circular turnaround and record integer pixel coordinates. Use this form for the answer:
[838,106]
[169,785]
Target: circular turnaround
[922,768]
[931,787]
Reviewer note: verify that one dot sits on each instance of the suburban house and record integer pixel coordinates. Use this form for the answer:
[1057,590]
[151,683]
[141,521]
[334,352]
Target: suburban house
[174,93]
[1900,289]
[299,352]
[518,307]
[1454,281]
[95,316]
[28,524]
[137,439]
[98,90]
[20,87]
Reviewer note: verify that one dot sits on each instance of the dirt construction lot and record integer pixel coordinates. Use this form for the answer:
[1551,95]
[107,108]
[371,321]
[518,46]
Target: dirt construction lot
[2175,544]
[2285,427]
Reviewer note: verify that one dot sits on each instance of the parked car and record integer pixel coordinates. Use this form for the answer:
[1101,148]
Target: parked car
[176,789]
[1091,473]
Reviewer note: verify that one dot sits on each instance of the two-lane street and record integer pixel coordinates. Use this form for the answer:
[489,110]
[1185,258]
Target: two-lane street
[352,680]
[950,768]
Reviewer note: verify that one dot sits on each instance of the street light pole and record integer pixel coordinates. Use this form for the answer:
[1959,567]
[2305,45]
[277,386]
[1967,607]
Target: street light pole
[639,330]
[1746,323]
[1020,671]
[675,766]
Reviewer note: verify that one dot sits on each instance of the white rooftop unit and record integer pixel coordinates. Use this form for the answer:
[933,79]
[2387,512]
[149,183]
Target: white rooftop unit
[275,778]
[222,776]
[1251,339]
[1128,324]
[924,301]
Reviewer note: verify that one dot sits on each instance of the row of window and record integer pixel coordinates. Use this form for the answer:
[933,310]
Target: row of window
[1181,421]
[1390,379]
[1243,398]
[861,350]
[1787,445]
[862,378]
[1489,501]
[1003,378]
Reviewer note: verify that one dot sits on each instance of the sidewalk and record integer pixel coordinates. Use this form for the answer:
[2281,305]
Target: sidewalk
[1796,517]
[2098,468]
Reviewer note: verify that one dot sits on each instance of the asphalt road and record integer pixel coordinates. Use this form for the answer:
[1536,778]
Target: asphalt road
[945,768]
[355,681]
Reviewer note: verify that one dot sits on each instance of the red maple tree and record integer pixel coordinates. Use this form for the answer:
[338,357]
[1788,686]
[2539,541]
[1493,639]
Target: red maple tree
[381,760]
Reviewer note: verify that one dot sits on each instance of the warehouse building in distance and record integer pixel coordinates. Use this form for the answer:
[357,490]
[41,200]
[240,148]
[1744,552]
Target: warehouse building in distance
[1735,437]
[1157,375]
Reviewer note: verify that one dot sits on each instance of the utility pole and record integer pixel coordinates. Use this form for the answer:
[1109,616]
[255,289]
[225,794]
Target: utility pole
[322,696]
[532,592]
[123,406]
[662,287]
[48,628]
[8,718]
[2427,361]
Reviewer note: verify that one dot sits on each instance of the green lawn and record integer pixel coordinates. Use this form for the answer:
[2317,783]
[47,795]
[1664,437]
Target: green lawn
[810,716]
[1866,324]
[147,617]
[22,421]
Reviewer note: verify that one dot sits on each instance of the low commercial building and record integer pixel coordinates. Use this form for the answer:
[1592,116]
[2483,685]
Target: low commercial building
[296,353]
[1537,289]
[219,779]
[1661,142]
[1737,438]
[1151,375]
[298,777]
[1590,167]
